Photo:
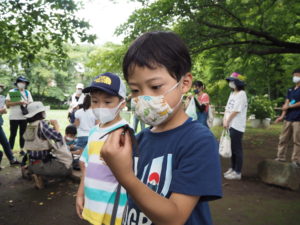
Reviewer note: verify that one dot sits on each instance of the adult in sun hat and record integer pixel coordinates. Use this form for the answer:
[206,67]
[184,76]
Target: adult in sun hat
[17,100]
[291,127]
[75,100]
[3,140]
[235,120]
[44,159]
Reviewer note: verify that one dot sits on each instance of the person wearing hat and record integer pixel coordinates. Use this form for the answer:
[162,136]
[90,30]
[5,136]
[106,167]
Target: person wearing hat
[235,120]
[44,158]
[75,100]
[17,100]
[98,186]
[3,140]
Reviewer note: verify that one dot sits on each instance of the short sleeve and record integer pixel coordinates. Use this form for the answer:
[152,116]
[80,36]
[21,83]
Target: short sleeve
[30,99]
[199,171]
[240,102]
[84,156]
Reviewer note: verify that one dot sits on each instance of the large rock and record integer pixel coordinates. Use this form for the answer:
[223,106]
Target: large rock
[283,174]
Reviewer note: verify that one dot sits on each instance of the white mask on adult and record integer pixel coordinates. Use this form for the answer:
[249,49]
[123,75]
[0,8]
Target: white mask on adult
[296,79]
[232,85]
[21,85]
[78,91]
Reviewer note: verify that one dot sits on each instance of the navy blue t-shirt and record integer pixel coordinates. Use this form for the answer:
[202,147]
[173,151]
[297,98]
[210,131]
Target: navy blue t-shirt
[183,160]
[293,96]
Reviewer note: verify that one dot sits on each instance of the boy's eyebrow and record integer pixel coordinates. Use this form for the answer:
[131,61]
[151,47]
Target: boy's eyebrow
[147,81]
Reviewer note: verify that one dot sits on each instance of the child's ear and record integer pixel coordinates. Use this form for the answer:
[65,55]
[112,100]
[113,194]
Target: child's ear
[187,81]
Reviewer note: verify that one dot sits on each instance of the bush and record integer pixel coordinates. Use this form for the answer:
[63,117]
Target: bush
[261,107]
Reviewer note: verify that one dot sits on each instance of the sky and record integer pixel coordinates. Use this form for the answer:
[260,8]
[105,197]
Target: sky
[105,16]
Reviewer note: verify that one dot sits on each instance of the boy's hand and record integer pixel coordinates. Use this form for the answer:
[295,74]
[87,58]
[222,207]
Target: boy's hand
[79,205]
[117,154]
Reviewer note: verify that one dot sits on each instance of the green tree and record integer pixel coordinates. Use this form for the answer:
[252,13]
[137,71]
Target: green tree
[26,27]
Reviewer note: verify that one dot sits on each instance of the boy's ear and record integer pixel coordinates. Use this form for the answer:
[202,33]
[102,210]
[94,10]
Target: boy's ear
[187,81]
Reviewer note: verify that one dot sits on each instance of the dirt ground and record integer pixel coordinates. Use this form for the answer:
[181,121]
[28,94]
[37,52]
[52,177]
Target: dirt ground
[246,202]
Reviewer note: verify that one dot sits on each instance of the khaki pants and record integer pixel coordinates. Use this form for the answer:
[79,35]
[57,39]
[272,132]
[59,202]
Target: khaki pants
[289,130]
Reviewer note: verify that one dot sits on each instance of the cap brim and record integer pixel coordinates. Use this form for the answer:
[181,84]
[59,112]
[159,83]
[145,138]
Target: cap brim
[93,88]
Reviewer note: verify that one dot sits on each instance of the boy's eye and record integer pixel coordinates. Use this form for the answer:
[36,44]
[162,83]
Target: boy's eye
[134,90]
[155,87]
[107,102]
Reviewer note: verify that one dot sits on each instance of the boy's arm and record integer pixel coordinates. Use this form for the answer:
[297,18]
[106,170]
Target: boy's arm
[117,153]
[80,192]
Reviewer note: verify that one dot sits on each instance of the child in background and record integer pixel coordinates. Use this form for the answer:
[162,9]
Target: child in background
[84,121]
[177,166]
[100,199]
[70,138]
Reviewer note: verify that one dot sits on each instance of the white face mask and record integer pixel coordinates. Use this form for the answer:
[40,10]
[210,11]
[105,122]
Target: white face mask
[70,139]
[105,115]
[296,79]
[21,85]
[232,85]
[153,110]
[78,91]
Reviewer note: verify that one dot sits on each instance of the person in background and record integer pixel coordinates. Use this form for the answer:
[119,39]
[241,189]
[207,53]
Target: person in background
[17,110]
[3,140]
[44,159]
[202,104]
[85,120]
[70,139]
[75,100]
[291,127]
[235,120]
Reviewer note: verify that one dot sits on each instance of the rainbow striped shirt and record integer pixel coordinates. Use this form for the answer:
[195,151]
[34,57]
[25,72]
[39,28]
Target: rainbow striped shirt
[100,185]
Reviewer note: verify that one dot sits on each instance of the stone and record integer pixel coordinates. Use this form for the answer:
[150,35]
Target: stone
[283,174]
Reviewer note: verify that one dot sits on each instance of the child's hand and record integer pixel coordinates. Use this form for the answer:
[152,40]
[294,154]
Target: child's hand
[117,154]
[79,205]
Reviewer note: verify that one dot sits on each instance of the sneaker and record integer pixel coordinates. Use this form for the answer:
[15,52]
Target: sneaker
[296,164]
[230,170]
[280,160]
[14,162]
[233,176]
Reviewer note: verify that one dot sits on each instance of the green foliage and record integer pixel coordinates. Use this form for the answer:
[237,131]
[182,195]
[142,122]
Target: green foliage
[261,106]
[27,27]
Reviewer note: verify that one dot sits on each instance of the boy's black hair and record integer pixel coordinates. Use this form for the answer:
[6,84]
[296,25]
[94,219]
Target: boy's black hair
[93,91]
[38,116]
[71,129]
[296,71]
[154,49]
[198,83]
[86,102]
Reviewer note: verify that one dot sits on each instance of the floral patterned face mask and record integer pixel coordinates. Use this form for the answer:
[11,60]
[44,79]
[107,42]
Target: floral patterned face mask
[153,110]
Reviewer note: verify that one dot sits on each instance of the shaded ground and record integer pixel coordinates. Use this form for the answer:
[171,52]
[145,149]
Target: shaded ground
[246,202]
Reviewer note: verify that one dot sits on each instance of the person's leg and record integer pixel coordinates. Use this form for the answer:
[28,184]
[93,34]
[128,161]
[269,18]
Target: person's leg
[296,140]
[236,143]
[284,138]
[23,125]
[13,132]
[233,150]
[5,144]
[82,141]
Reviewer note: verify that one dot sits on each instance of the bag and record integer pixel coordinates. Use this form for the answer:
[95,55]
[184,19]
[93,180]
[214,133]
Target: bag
[225,144]
[24,110]
[60,151]
[191,109]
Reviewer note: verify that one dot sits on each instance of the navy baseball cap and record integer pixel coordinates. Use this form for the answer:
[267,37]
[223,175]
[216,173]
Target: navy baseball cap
[109,83]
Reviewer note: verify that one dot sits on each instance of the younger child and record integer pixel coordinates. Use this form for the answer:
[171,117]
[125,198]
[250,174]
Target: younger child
[177,166]
[70,138]
[100,199]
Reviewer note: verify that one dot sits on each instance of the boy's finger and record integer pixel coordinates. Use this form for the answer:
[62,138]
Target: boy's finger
[114,137]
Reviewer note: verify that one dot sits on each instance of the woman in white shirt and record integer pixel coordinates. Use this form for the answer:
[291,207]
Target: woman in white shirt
[17,110]
[235,120]
[84,121]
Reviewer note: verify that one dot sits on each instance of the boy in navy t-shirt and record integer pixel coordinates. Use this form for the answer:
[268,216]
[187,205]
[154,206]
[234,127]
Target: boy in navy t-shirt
[176,164]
